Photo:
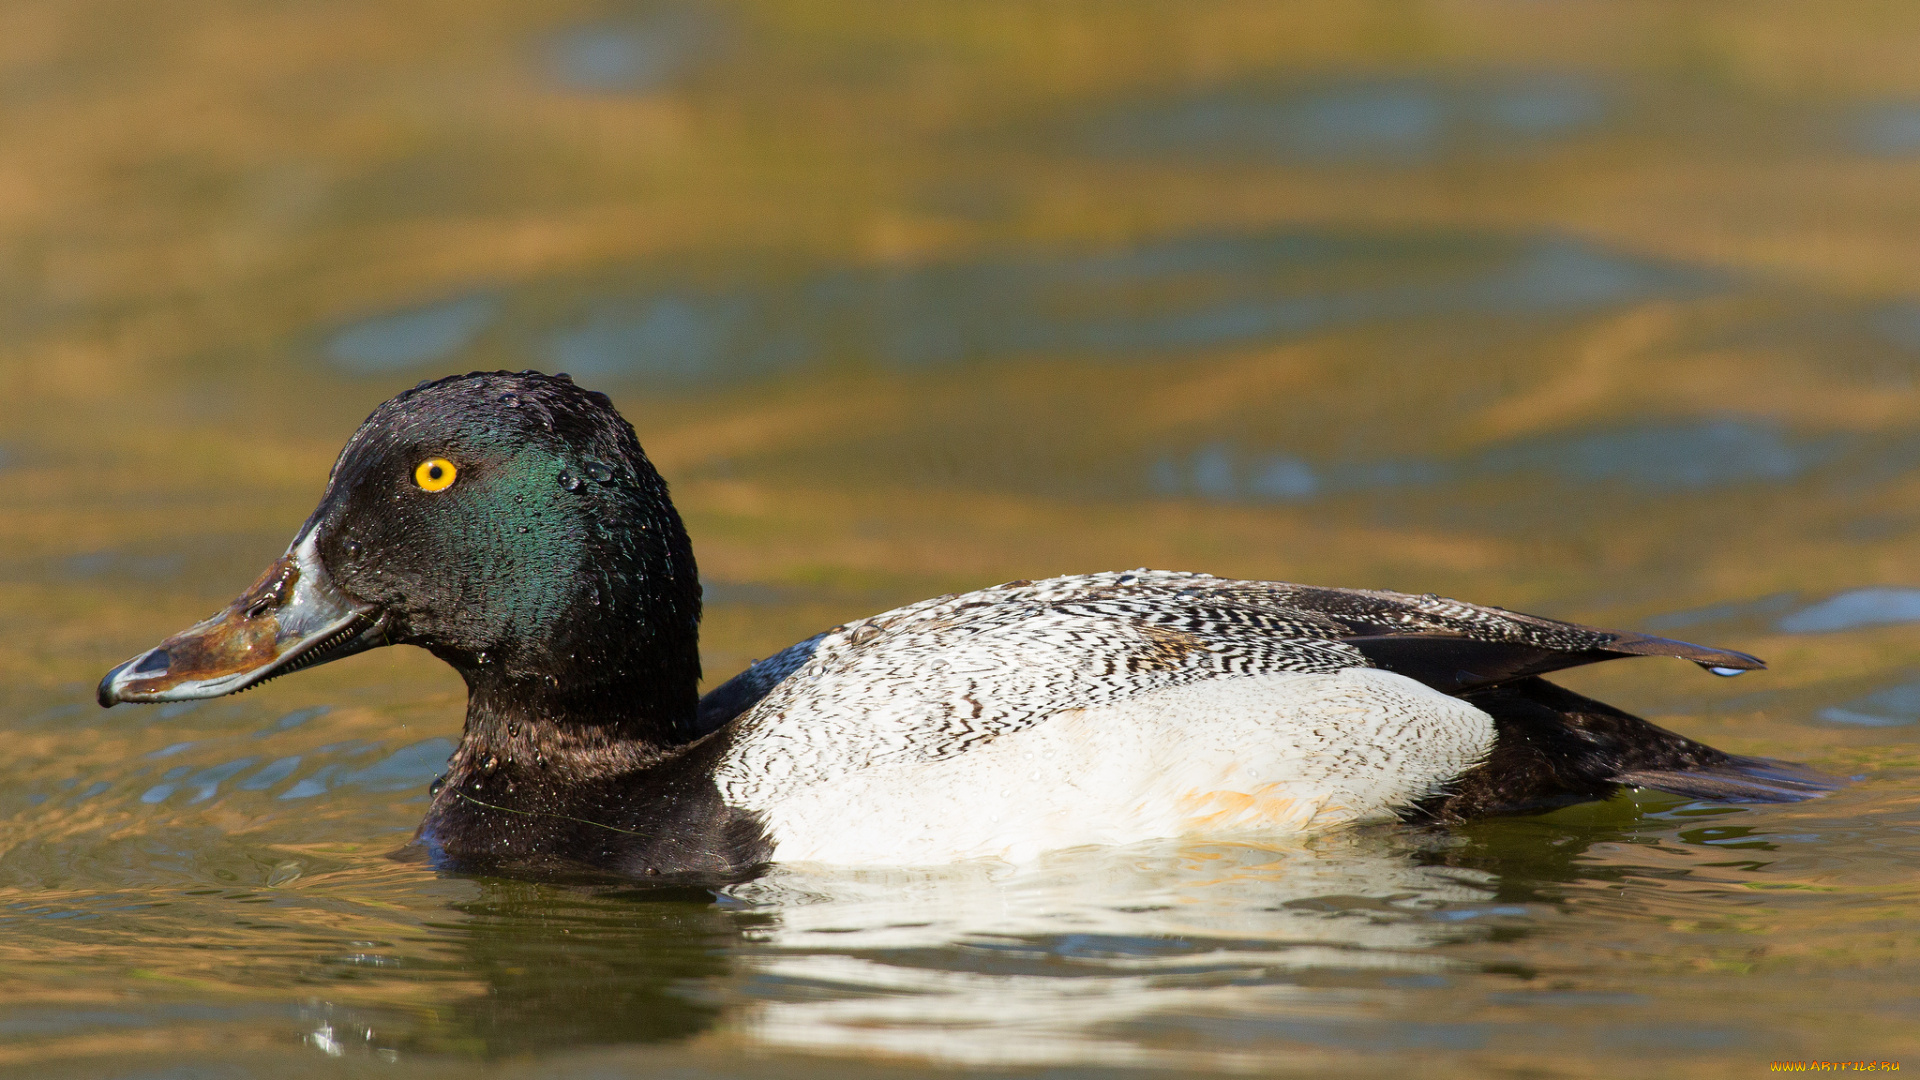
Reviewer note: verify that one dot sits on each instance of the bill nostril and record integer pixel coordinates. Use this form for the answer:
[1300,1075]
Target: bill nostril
[157,660]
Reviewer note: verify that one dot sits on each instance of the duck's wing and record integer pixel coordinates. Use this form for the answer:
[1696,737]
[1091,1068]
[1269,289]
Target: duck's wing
[936,678]
[1556,747]
[744,691]
[1457,647]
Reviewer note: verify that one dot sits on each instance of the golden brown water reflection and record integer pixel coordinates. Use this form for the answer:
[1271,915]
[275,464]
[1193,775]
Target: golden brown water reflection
[1601,310]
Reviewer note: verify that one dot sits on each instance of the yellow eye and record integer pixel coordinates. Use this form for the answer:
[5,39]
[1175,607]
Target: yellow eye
[435,474]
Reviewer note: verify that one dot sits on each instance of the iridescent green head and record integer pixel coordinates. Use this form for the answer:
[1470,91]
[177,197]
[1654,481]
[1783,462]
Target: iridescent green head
[511,524]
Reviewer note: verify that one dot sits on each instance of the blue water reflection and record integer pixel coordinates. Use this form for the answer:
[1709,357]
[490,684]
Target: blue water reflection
[408,338]
[206,783]
[629,57]
[102,564]
[1888,130]
[1668,456]
[409,767]
[1650,457]
[413,337]
[1764,607]
[1173,297]
[1880,606]
[1545,105]
[1895,706]
[273,773]
[1899,324]
[1402,121]
[675,338]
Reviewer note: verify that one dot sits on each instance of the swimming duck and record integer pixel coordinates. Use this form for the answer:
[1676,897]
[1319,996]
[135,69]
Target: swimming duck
[511,525]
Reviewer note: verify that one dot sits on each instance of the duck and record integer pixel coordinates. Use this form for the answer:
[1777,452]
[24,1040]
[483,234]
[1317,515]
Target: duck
[511,524]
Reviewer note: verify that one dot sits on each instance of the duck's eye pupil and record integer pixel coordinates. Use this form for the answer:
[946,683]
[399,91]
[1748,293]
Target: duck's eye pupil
[435,474]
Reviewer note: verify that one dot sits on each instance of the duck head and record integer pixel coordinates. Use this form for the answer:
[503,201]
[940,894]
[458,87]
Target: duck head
[510,524]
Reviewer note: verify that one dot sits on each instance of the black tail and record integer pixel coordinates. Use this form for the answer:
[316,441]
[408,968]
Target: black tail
[1554,747]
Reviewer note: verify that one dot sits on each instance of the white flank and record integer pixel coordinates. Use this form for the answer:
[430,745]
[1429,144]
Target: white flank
[1270,752]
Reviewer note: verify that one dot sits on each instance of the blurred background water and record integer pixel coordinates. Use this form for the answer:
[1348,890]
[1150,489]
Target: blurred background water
[1603,310]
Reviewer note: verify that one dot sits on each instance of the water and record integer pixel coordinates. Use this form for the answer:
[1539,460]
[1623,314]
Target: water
[1604,313]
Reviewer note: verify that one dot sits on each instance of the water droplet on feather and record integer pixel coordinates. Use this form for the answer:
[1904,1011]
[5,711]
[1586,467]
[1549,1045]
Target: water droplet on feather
[598,472]
[1727,672]
[570,481]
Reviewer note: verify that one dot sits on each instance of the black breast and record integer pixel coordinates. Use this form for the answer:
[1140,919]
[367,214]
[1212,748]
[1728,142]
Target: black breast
[665,819]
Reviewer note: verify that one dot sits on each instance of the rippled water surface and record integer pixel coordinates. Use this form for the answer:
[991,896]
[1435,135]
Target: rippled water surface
[1608,312]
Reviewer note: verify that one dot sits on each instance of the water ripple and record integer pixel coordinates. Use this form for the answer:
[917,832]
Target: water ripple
[406,339]
[1164,298]
[1395,121]
[1878,606]
[1655,458]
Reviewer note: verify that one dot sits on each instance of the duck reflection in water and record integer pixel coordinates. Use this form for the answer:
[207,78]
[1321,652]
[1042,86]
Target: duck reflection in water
[1064,960]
